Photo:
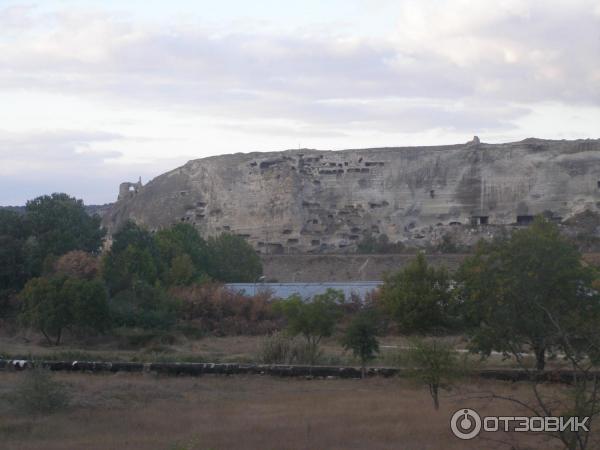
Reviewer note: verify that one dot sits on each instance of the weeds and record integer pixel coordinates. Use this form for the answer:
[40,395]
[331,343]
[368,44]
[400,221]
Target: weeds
[38,393]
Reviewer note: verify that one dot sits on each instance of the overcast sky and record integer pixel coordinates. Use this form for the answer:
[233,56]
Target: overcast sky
[95,92]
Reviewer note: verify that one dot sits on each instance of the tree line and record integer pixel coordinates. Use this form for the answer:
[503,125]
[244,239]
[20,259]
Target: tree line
[53,276]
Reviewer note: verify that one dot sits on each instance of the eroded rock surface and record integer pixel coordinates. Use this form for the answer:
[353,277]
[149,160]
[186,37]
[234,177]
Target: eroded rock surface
[300,201]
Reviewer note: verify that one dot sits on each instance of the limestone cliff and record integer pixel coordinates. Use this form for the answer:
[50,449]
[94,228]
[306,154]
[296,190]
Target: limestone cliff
[313,201]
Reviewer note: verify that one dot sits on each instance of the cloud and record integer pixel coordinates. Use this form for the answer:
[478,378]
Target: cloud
[64,161]
[514,51]
[172,87]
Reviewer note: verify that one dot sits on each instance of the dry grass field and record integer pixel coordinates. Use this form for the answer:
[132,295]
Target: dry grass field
[237,349]
[143,412]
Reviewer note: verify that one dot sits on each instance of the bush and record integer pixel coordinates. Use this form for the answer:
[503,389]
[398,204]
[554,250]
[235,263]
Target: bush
[38,393]
[361,337]
[433,363]
[304,352]
[52,305]
[418,298]
[381,244]
[78,264]
[275,348]
[233,260]
[280,348]
[221,311]
[144,306]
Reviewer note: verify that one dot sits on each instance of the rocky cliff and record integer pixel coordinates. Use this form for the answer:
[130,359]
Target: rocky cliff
[320,201]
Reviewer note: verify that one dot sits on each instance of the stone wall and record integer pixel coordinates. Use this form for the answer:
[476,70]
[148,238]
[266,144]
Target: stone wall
[328,268]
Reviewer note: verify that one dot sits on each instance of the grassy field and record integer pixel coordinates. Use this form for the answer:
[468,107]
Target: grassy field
[143,412]
[243,349]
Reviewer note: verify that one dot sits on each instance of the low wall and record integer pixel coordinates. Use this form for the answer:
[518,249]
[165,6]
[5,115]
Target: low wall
[197,369]
[324,268]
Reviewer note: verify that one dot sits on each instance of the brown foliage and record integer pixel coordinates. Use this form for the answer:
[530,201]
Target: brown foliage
[78,264]
[221,311]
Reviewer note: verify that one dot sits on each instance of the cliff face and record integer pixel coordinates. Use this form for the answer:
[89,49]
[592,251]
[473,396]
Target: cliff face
[309,200]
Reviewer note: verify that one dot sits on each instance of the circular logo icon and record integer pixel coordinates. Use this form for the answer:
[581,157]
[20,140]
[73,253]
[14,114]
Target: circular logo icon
[465,424]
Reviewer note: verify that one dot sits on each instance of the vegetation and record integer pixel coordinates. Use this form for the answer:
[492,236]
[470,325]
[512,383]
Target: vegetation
[418,298]
[52,278]
[38,393]
[54,304]
[433,363]
[361,337]
[58,224]
[314,319]
[233,259]
[378,245]
[510,287]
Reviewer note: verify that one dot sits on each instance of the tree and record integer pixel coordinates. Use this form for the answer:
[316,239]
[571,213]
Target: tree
[59,224]
[361,337]
[183,238]
[232,259]
[45,309]
[88,304]
[78,264]
[133,257]
[433,363]
[54,304]
[13,263]
[144,306]
[579,397]
[184,253]
[181,271]
[418,297]
[508,287]
[314,319]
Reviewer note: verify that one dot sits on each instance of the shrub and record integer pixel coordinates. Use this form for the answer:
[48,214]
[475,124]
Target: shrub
[433,363]
[275,348]
[52,305]
[361,337]
[314,319]
[221,311]
[78,264]
[418,297]
[304,352]
[233,260]
[280,348]
[381,244]
[144,306]
[38,393]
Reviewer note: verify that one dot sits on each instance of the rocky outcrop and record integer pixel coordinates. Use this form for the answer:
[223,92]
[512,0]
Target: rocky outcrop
[300,201]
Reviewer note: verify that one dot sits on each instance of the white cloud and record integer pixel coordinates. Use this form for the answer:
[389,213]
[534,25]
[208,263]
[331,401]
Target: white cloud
[177,89]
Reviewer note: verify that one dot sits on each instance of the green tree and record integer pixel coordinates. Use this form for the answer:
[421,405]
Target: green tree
[184,252]
[232,259]
[381,244]
[433,363]
[54,304]
[13,263]
[58,224]
[144,306]
[88,304]
[361,337]
[418,297]
[313,319]
[45,309]
[133,257]
[508,288]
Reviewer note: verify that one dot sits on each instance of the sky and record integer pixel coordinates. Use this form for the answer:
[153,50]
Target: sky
[96,92]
